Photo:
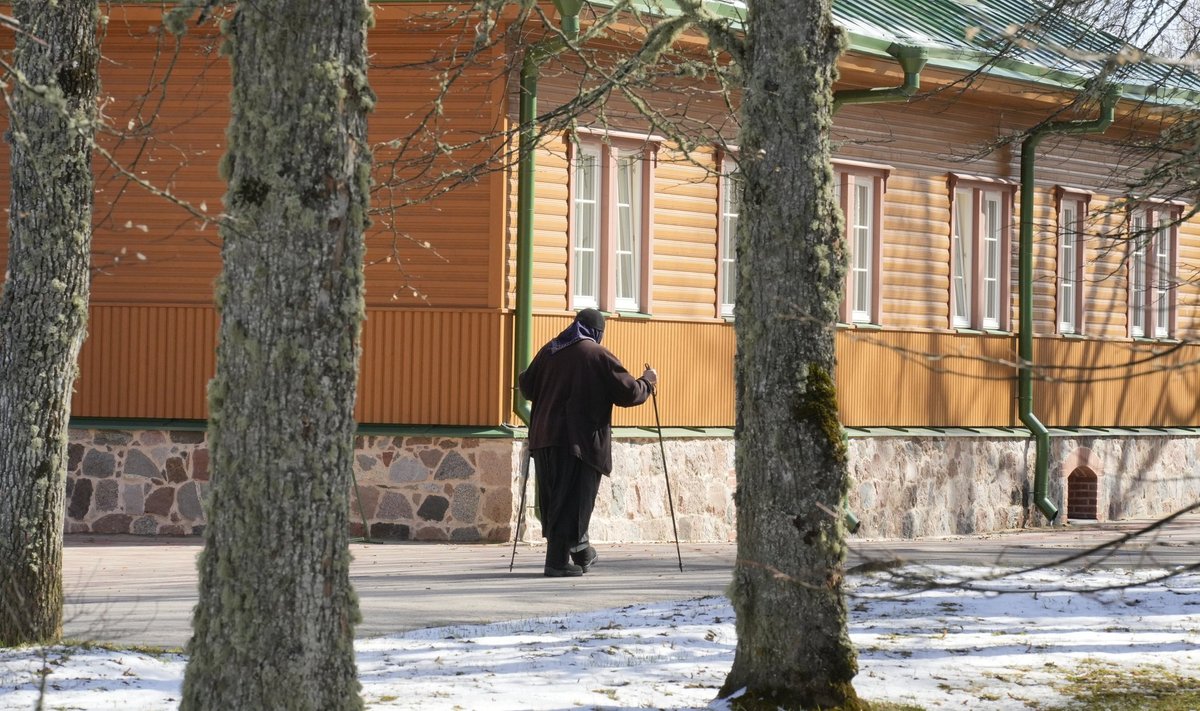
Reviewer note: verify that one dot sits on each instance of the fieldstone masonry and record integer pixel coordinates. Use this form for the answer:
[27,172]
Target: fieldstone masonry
[465,489]
[633,506]
[908,486]
[147,482]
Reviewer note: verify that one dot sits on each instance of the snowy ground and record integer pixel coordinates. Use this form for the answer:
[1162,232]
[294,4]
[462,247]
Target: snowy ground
[1005,644]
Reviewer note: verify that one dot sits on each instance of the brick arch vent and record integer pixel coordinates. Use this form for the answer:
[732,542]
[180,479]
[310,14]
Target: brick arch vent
[1083,492]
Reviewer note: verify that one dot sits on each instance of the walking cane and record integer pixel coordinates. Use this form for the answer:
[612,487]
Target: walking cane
[662,448]
[520,511]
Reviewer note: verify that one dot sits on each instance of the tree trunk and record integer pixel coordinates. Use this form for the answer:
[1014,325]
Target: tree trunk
[793,647]
[274,627]
[43,311]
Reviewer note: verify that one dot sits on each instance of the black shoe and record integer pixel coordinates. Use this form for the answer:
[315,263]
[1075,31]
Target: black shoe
[585,558]
[558,562]
[571,571]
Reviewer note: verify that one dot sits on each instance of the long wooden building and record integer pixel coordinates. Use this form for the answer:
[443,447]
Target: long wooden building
[466,274]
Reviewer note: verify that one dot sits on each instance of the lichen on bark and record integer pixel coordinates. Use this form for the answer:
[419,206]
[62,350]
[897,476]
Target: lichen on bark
[793,647]
[274,625]
[43,307]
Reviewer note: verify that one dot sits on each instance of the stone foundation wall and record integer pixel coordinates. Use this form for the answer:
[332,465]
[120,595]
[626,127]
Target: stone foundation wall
[408,488]
[632,504]
[907,487]
[152,482]
[1146,476]
[147,482]
[435,488]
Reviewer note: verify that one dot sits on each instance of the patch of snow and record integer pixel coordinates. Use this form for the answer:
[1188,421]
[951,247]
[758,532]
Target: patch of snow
[985,643]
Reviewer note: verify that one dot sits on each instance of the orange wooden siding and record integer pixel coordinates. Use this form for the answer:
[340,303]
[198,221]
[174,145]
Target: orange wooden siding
[146,361]
[419,367]
[907,379]
[171,103]
[1117,384]
[901,378]
[694,363]
[434,368]
[685,235]
[441,273]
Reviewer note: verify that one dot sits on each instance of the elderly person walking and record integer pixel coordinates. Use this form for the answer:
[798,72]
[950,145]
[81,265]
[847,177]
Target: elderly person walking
[572,384]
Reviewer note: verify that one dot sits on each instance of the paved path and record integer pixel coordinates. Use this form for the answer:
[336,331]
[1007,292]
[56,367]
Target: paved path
[127,589]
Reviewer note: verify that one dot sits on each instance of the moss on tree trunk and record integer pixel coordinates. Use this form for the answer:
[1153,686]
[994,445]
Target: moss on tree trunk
[793,647]
[43,310]
[274,626]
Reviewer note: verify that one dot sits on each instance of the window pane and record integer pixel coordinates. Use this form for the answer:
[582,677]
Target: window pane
[992,261]
[1162,279]
[629,223]
[730,208]
[1067,270]
[960,258]
[863,246]
[1137,268]
[587,229]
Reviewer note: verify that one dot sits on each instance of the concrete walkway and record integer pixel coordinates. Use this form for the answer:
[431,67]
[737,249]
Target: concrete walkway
[133,590]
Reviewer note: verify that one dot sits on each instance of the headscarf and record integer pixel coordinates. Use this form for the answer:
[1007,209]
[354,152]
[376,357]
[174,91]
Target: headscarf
[588,324]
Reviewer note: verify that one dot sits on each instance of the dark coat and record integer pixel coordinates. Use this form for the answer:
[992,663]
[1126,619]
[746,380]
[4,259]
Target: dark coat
[572,393]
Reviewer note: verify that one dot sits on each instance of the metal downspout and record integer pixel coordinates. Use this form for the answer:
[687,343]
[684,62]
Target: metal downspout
[912,60]
[530,72]
[1041,477]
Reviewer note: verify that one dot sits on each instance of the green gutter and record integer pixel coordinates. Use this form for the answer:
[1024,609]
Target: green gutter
[912,60]
[530,72]
[1041,477]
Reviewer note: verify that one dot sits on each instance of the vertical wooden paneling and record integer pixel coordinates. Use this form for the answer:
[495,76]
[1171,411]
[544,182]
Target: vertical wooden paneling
[419,367]
[694,363]
[1117,384]
[146,362]
[906,379]
[426,367]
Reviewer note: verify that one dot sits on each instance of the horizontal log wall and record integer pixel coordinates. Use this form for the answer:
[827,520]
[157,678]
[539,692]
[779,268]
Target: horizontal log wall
[441,273]
[437,238]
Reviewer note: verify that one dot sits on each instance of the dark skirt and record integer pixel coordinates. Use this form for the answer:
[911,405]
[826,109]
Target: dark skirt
[567,491]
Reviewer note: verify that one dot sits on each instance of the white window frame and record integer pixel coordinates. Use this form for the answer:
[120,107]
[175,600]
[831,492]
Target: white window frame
[980,245]
[622,222]
[1070,296]
[862,297]
[729,202]
[1153,265]
[586,220]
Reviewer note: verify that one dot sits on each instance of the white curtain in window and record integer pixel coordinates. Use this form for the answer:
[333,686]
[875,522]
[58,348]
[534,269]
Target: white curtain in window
[960,257]
[1137,268]
[1162,277]
[1067,270]
[992,215]
[732,199]
[587,230]
[864,247]
[629,227]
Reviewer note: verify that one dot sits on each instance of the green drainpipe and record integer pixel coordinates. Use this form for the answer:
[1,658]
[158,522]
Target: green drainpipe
[912,61]
[530,71]
[1041,477]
